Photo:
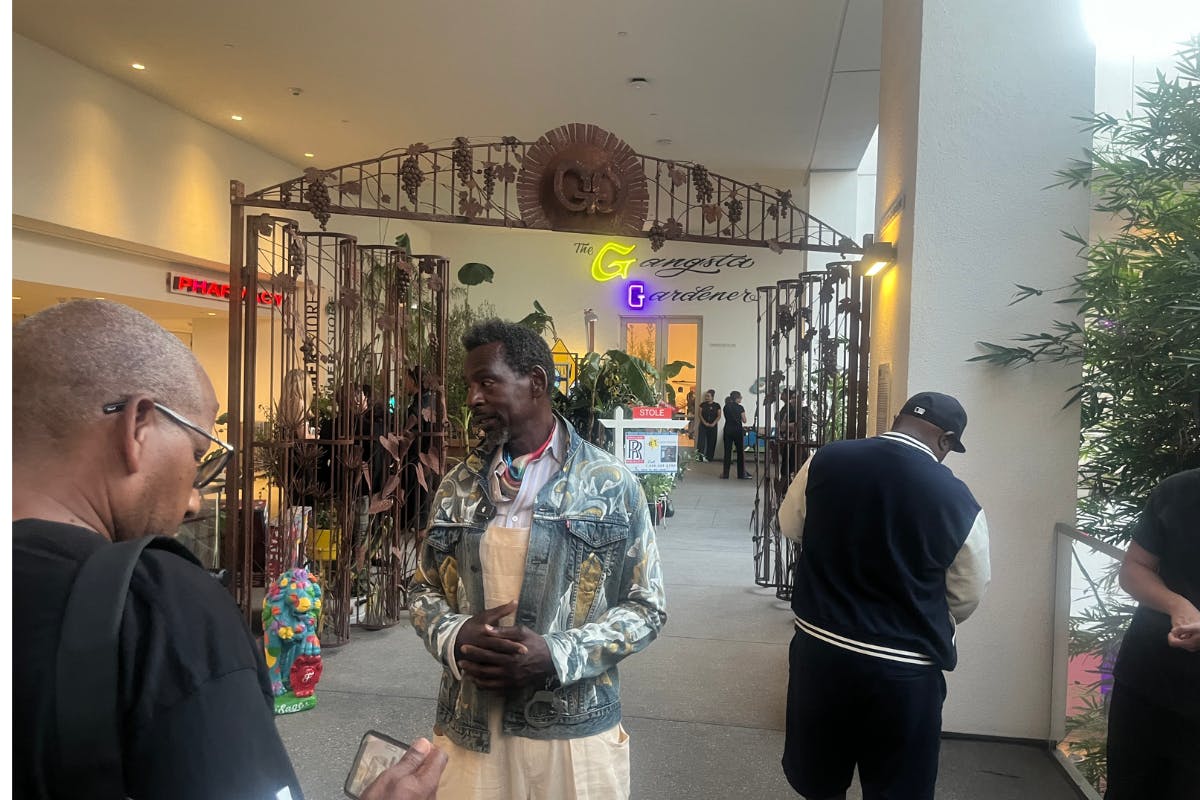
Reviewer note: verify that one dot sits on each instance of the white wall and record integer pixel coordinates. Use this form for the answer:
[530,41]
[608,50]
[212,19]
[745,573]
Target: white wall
[971,130]
[864,217]
[544,266]
[95,155]
[833,199]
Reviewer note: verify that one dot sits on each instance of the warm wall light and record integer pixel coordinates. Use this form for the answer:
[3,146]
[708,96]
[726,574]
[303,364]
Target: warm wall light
[138,66]
[310,155]
[236,117]
[877,257]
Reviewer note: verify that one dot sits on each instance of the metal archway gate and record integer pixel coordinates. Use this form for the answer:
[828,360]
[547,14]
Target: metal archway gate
[315,314]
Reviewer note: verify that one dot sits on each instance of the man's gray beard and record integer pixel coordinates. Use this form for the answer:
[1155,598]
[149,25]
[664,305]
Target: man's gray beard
[495,439]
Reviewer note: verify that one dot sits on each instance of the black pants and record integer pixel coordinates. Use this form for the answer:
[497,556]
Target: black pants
[1152,751]
[706,441]
[845,709]
[735,439]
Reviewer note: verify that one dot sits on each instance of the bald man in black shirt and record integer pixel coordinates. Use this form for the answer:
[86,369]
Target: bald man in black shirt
[112,447]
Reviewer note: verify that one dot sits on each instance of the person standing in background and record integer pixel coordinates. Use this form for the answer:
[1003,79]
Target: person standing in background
[1154,713]
[735,435]
[706,425]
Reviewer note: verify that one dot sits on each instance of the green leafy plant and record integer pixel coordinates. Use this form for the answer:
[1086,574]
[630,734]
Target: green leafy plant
[323,518]
[462,316]
[605,381]
[1135,329]
[473,273]
[461,423]
[657,485]
[539,321]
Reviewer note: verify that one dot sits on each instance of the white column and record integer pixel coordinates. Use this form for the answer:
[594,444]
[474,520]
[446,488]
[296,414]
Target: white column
[975,115]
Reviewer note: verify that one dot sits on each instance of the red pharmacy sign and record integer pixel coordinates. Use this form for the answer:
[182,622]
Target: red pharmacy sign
[187,284]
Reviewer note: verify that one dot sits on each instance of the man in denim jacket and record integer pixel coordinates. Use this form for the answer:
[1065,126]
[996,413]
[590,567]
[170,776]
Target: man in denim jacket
[539,574]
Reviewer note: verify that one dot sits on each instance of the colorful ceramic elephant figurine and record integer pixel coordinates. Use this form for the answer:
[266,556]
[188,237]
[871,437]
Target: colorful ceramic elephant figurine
[291,610]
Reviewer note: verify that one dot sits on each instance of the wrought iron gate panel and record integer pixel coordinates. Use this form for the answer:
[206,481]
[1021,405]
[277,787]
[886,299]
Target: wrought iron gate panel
[813,345]
[335,471]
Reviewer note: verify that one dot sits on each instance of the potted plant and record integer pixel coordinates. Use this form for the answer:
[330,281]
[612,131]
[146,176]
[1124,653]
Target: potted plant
[657,487]
[321,546]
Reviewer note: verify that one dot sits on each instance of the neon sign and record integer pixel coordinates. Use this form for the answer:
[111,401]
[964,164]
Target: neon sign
[200,287]
[615,268]
[635,295]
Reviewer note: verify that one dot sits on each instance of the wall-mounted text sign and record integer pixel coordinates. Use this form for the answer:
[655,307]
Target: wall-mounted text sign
[614,260]
[216,290]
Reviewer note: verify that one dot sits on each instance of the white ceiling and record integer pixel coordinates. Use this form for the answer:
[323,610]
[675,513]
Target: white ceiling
[747,87]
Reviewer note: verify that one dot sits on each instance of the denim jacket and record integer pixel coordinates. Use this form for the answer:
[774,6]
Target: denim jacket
[593,588]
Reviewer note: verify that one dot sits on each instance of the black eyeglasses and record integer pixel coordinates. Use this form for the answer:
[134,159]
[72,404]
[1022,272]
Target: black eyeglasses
[213,463]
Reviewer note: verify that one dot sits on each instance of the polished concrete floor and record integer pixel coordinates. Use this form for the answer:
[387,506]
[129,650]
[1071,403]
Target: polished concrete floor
[704,704]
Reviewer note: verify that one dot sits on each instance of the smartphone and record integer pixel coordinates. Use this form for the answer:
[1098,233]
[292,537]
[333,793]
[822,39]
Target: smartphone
[376,753]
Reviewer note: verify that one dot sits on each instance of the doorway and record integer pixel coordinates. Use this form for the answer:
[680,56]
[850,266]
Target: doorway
[661,341]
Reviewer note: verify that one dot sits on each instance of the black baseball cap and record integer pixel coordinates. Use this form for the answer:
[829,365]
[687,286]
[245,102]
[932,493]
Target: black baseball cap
[941,410]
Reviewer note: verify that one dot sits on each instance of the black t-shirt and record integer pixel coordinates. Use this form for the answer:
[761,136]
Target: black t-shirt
[710,411]
[1169,528]
[197,711]
[733,417]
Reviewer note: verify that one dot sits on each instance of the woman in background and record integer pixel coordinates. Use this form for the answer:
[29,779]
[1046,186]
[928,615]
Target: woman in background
[735,434]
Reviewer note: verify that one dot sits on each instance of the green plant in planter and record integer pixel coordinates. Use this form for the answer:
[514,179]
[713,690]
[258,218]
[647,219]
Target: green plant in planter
[656,485]
[461,317]
[461,424]
[606,381]
[323,518]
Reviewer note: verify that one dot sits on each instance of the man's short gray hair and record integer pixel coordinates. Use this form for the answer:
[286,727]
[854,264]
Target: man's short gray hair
[71,359]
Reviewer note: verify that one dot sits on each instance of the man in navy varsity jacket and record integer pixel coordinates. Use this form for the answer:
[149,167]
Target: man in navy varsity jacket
[894,554]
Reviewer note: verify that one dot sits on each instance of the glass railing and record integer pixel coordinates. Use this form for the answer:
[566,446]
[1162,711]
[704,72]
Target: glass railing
[1091,605]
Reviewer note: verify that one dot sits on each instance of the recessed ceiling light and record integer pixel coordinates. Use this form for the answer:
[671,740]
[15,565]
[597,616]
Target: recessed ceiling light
[99,298]
[639,82]
[665,142]
[622,34]
[310,155]
[212,313]
[138,66]
[16,298]
[654,113]
[236,117]
[228,45]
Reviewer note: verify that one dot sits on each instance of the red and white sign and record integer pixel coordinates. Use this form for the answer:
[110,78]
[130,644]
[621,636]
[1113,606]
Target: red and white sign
[652,412]
[202,287]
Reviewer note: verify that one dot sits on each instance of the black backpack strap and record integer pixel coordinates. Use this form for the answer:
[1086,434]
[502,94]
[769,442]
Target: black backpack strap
[88,717]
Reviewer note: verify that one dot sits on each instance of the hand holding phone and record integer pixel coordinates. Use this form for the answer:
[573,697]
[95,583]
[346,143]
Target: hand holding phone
[387,769]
